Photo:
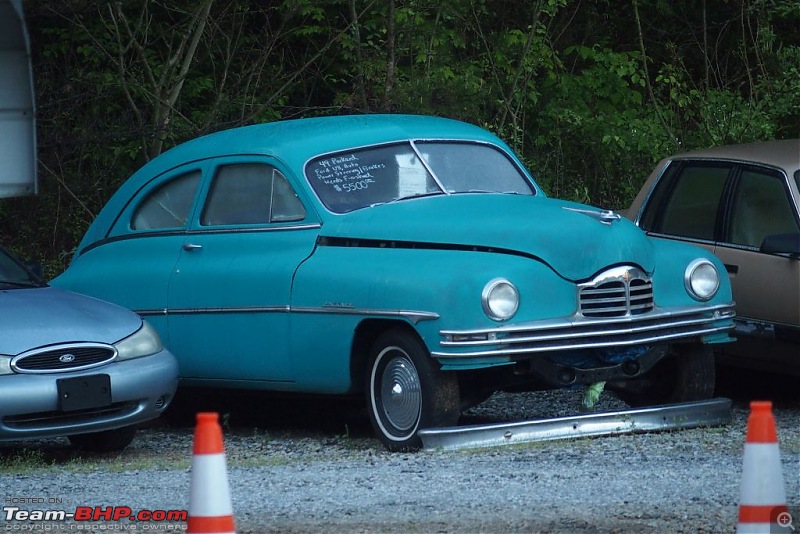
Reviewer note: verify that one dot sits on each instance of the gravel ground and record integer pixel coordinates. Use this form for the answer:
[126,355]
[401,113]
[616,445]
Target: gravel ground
[317,469]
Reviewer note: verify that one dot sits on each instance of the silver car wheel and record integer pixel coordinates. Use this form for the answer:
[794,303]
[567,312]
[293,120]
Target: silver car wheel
[401,392]
[406,390]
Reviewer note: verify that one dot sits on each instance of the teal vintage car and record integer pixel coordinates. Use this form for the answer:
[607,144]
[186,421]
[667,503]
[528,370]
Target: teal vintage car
[410,259]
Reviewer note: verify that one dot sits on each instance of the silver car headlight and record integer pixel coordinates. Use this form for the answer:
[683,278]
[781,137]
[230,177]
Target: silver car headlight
[500,299]
[701,279]
[144,342]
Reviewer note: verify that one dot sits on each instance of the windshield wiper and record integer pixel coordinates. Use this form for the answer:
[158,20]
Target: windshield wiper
[485,191]
[418,195]
[409,197]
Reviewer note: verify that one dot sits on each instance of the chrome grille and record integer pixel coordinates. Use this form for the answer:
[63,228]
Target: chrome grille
[63,358]
[618,292]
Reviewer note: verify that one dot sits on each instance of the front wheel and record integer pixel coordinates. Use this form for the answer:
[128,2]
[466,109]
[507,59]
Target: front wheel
[685,374]
[406,390]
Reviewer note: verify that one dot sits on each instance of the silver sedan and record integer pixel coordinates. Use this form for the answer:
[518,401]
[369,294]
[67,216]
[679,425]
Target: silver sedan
[76,366]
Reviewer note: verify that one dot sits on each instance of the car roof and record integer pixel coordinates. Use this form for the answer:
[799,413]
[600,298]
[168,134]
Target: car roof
[784,154]
[292,141]
[296,141]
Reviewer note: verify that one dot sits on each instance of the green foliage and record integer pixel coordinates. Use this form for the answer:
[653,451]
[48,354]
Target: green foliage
[590,94]
[597,139]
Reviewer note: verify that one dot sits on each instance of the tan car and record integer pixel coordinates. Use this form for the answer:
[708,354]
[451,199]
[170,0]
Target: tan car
[741,202]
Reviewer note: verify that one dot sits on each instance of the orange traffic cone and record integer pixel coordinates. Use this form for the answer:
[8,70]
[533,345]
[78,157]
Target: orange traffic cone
[210,509]
[762,500]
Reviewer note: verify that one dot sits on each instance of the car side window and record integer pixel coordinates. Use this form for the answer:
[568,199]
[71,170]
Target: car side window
[250,193]
[761,207]
[168,206]
[687,205]
[285,204]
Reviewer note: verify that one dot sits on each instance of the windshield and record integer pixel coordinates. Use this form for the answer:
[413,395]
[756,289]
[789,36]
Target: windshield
[13,274]
[359,178]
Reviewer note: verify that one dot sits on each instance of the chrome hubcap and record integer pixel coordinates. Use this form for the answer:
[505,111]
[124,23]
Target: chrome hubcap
[401,394]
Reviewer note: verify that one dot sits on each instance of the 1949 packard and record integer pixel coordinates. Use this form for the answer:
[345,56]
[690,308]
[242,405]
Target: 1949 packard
[410,259]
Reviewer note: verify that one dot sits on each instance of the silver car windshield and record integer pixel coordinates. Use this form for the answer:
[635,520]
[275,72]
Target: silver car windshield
[356,179]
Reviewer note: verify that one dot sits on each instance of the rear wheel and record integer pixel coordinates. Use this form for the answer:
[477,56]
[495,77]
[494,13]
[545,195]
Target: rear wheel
[685,374]
[106,441]
[406,390]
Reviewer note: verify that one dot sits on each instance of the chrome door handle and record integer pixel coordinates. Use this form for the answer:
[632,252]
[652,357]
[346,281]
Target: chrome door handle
[191,246]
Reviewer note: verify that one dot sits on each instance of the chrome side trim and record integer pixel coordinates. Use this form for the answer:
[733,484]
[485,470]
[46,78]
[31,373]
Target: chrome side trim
[247,309]
[202,311]
[151,313]
[578,332]
[412,315]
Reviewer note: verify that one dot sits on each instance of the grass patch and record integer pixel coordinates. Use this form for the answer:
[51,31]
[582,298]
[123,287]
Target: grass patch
[24,461]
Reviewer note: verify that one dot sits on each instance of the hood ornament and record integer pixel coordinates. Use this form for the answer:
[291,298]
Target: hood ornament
[604,216]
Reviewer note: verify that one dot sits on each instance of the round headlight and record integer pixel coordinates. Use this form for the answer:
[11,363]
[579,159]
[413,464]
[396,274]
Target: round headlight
[701,279]
[500,299]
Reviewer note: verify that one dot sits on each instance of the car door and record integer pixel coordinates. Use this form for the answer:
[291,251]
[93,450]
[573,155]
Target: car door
[728,208]
[133,265]
[229,293]
[766,286]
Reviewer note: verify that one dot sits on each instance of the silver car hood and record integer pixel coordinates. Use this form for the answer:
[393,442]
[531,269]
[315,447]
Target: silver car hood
[36,317]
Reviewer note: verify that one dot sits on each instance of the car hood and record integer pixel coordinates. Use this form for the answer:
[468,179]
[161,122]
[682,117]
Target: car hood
[571,238]
[36,317]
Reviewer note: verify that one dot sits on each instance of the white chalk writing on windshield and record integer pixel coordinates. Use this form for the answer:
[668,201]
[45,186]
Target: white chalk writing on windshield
[346,174]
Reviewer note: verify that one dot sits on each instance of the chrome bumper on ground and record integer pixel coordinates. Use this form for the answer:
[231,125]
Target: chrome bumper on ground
[713,412]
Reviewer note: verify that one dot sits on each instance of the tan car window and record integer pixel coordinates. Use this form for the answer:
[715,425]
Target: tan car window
[691,210]
[169,206]
[761,208]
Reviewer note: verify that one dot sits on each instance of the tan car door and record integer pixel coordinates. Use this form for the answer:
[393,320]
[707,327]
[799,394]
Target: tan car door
[766,286]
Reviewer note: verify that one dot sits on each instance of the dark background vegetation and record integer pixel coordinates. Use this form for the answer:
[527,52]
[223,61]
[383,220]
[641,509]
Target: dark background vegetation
[590,93]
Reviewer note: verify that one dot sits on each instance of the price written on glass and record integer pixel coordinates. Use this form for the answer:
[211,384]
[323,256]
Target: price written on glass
[346,174]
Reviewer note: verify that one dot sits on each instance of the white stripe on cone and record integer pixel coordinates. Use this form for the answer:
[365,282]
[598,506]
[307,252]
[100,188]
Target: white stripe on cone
[762,498]
[762,476]
[209,495]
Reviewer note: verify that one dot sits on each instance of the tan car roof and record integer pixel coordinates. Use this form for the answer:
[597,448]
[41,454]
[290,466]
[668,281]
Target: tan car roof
[784,154]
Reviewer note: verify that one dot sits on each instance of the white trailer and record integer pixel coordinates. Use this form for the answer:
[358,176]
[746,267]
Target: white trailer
[17,107]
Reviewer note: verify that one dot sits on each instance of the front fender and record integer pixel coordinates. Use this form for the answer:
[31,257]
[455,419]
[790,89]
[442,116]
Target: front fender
[672,258]
[429,289]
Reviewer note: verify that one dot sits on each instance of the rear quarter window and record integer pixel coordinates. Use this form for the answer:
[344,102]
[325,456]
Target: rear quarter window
[169,205]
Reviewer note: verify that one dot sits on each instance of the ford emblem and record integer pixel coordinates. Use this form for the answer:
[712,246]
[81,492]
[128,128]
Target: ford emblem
[66,358]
